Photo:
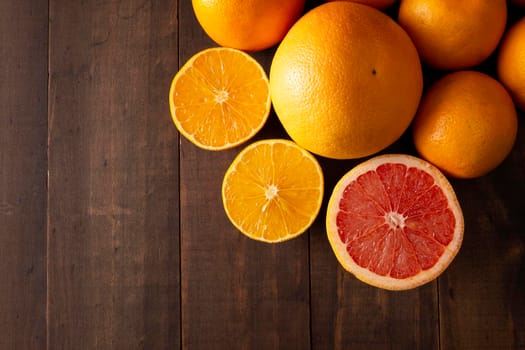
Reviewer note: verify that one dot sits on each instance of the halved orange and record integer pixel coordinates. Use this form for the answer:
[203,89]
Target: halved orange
[220,98]
[273,190]
[394,222]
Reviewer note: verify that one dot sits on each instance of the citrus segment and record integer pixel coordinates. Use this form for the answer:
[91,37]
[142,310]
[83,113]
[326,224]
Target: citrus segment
[394,222]
[273,190]
[220,98]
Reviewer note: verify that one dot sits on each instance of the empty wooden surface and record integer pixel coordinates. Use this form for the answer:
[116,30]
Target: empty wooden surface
[23,173]
[112,232]
[113,223]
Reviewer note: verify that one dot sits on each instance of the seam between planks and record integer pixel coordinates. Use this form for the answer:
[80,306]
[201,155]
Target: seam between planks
[438,314]
[310,317]
[49,124]
[181,328]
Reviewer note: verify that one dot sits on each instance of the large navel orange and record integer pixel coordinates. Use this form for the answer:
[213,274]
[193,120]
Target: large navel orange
[466,124]
[452,34]
[511,62]
[250,25]
[345,81]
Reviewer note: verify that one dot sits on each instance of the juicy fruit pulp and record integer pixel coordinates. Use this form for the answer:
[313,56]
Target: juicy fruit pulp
[220,98]
[273,190]
[350,73]
[394,222]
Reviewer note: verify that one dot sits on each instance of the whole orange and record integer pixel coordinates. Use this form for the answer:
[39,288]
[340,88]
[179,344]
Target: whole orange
[379,4]
[466,124]
[511,62]
[249,25]
[345,81]
[452,34]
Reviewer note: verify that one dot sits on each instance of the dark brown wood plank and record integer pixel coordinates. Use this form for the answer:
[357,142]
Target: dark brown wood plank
[113,178]
[23,173]
[349,314]
[236,293]
[482,298]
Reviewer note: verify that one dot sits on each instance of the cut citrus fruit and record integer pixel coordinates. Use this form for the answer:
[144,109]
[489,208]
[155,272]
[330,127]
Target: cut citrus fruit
[394,222]
[273,190]
[220,98]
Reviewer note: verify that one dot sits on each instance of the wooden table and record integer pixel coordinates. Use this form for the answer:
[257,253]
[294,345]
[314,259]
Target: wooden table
[112,231]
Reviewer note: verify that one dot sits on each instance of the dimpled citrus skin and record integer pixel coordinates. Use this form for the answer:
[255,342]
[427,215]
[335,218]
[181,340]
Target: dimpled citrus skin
[379,4]
[250,25]
[452,34]
[511,62]
[345,81]
[466,124]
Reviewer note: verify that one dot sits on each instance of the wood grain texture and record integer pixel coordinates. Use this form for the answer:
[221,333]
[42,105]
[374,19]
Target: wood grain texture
[23,173]
[114,235]
[236,293]
[349,314]
[113,176]
[482,297]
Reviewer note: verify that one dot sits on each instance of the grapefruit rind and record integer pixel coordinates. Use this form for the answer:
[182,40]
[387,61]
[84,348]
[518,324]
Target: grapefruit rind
[368,67]
[186,68]
[231,174]
[387,282]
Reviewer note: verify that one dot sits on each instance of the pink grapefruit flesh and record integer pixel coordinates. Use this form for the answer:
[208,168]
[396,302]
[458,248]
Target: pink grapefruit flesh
[394,222]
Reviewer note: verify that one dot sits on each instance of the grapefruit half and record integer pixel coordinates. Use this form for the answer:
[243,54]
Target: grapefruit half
[394,222]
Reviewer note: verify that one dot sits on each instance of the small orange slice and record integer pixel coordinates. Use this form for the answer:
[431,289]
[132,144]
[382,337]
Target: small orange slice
[394,222]
[220,98]
[273,190]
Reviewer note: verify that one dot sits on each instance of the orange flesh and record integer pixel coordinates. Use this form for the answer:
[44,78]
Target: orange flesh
[273,191]
[221,99]
[395,221]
